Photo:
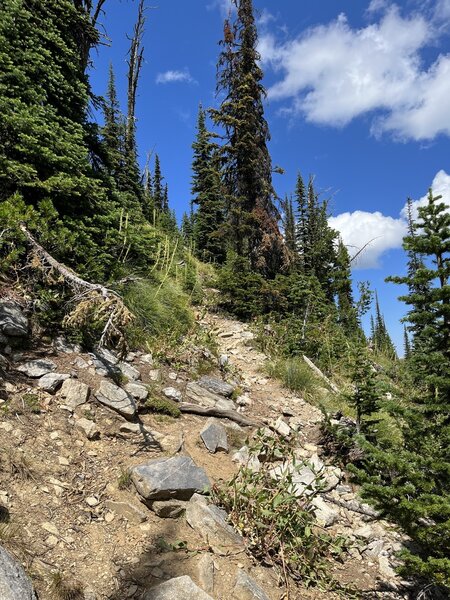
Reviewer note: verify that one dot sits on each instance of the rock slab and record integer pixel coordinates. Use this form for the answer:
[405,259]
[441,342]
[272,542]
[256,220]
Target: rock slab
[179,588]
[74,393]
[14,583]
[37,368]
[216,385]
[52,382]
[211,524]
[246,588]
[112,396]
[214,437]
[165,478]
[12,320]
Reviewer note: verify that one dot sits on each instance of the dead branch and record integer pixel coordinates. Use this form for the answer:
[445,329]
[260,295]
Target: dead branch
[353,506]
[363,248]
[195,409]
[318,372]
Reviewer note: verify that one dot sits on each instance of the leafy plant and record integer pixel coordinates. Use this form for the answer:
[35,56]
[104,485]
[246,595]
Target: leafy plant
[124,481]
[163,406]
[277,523]
[64,589]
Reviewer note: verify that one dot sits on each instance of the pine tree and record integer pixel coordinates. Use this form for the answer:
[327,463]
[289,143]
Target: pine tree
[207,191]
[381,339]
[158,189]
[289,227]
[411,483]
[114,133]
[302,220]
[251,211]
[406,344]
[365,397]
[342,284]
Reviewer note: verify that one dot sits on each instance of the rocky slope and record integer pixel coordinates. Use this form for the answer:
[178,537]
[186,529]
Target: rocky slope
[101,495]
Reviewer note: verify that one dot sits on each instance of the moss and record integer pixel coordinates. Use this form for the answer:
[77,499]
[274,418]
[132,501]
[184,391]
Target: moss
[163,406]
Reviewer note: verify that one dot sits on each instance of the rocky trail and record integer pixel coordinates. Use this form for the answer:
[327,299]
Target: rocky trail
[107,495]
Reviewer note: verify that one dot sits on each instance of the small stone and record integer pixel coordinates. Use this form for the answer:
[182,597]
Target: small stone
[74,393]
[50,528]
[127,510]
[54,435]
[205,569]
[12,320]
[52,381]
[385,567]
[109,517]
[171,509]
[173,394]
[63,461]
[89,428]
[173,376]
[244,458]
[51,541]
[224,360]
[366,533]
[37,368]
[139,392]
[154,375]
[80,363]
[116,398]
[214,436]
[282,428]
[92,501]
[216,386]
[178,588]
[374,549]
[146,359]
[129,371]
[246,588]
[324,513]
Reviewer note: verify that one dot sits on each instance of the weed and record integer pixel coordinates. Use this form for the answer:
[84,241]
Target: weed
[63,589]
[88,414]
[163,406]
[124,481]
[278,524]
[294,374]
[19,466]
[236,438]
[32,402]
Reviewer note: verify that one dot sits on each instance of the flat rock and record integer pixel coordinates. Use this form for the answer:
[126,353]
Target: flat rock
[12,320]
[244,458]
[127,510]
[52,381]
[171,509]
[14,582]
[62,345]
[138,391]
[74,393]
[146,359]
[112,396]
[88,427]
[173,394]
[214,436]
[205,570]
[178,588]
[37,368]
[246,588]
[129,371]
[325,514]
[211,524]
[165,478]
[199,395]
[216,385]
[282,427]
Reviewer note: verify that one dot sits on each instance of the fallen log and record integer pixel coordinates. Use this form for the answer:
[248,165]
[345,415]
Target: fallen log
[318,372]
[195,409]
[353,506]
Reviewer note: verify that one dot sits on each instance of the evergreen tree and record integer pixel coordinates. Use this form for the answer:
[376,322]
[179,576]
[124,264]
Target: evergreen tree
[251,212]
[406,344]
[365,397]
[207,191]
[381,339]
[187,228]
[158,189]
[343,290]
[114,133]
[289,226]
[302,220]
[411,483]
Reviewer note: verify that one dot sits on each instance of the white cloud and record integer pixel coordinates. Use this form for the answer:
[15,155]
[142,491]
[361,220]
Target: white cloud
[226,7]
[381,232]
[440,187]
[174,76]
[333,73]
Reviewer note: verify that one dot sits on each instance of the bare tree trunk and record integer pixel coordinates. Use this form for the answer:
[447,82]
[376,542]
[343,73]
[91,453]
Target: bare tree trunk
[136,58]
[90,38]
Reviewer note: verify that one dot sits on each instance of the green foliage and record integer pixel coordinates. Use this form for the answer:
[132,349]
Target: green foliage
[294,374]
[124,480]
[163,406]
[365,396]
[62,588]
[277,524]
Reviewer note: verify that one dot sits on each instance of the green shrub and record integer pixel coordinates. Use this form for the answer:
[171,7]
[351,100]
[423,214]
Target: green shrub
[294,374]
[163,406]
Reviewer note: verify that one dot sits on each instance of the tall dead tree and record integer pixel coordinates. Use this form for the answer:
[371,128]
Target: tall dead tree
[135,60]
[89,36]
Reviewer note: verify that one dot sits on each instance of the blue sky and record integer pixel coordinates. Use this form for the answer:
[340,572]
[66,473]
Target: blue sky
[358,96]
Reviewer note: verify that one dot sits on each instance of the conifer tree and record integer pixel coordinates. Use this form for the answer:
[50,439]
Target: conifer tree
[365,397]
[251,212]
[381,339]
[289,227]
[343,289]
[411,484]
[406,343]
[158,189]
[114,132]
[208,192]
[302,220]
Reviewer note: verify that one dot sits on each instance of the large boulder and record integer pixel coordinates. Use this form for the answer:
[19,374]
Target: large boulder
[52,381]
[74,393]
[14,582]
[112,396]
[164,478]
[178,588]
[12,320]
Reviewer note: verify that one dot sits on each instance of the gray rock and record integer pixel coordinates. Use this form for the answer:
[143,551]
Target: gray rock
[88,427]
[243,457]
[127,510]
[62,345]
[205,570]
[37,368]
[246,588]
[14,582]
[139,392]
[165,478]
[178,588]
[214,436]
[106,355]
[74,393]
[154,375]
[80,363]
[374,549]
[224,360]
[199,395]
[146,359]
[211,524]
[216,386]
[324,513]
[52,382]
[282,427]
[129,371]
[171,509]
[12,320]
[173,394]
[112,396]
